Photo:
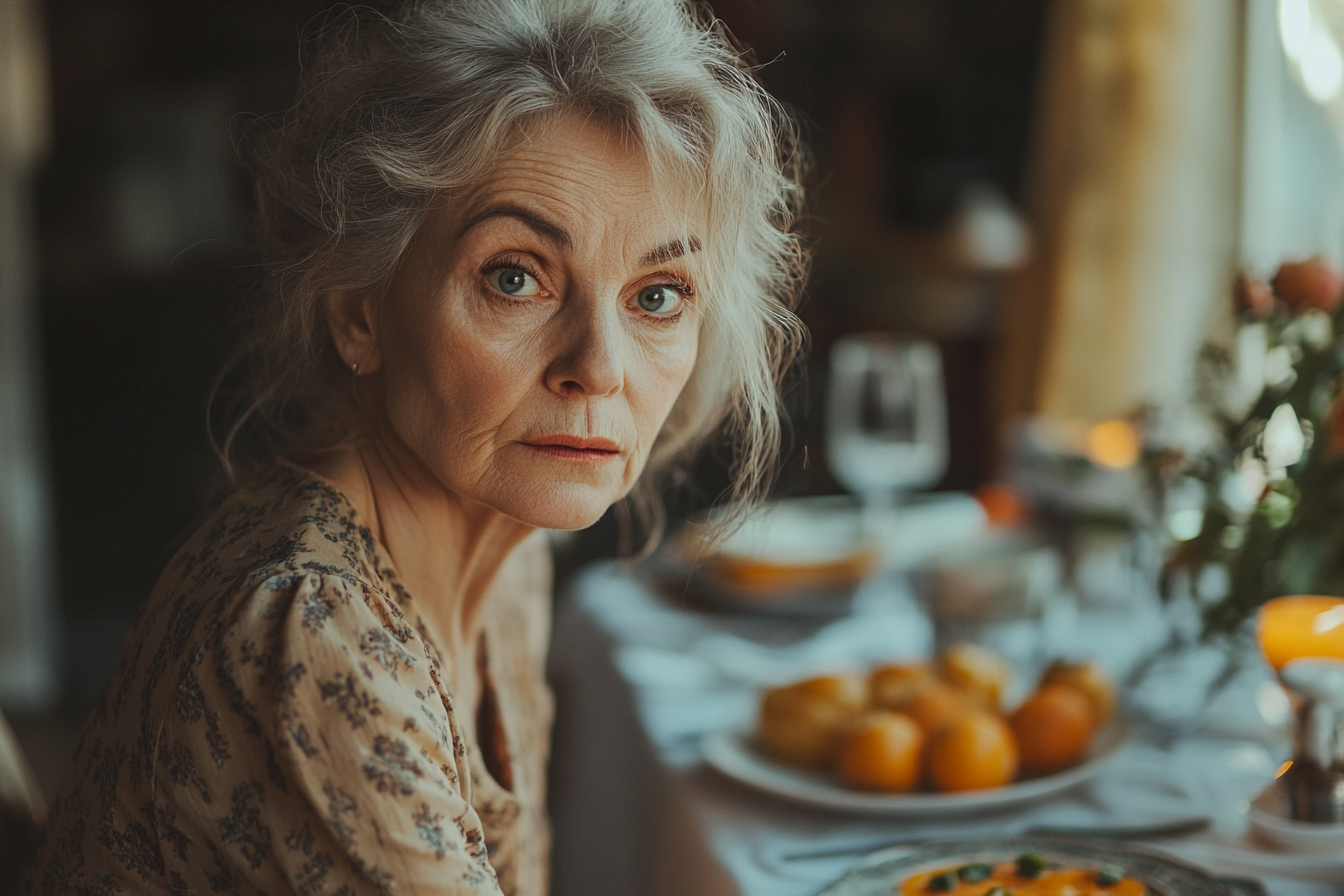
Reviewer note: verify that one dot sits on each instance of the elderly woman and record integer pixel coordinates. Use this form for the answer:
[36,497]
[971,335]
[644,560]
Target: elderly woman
[527,256]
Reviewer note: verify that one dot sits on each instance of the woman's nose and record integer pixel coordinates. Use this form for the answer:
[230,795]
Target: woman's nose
[588,359]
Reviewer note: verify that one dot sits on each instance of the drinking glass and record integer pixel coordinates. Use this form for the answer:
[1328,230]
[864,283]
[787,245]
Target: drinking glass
[886,418]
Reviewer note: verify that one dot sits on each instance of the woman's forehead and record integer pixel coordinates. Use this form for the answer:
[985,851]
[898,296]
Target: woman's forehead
[574,179]
[569,151]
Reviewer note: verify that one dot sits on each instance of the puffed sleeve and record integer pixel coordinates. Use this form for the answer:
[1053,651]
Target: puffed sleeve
[370,784]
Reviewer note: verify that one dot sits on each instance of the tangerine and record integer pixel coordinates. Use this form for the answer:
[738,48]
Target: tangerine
[802,722]
[1089,678]
[895,683]
[1054,728]
[976,671]
[882,751]
[974,752]
[933,705]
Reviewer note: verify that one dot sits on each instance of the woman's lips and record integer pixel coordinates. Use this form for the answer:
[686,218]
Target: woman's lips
[575,448]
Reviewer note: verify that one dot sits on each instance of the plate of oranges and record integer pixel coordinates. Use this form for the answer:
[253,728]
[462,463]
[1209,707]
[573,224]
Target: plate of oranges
[925,738]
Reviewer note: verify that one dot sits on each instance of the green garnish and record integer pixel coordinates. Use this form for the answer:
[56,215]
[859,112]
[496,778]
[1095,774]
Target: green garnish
[975,872]
[942,883]
[1029,864]
[996,890]
[1109,875]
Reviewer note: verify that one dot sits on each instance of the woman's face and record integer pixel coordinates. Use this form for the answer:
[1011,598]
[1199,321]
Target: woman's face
[540,330]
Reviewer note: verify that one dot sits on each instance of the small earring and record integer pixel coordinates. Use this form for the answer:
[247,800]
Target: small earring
[354,368]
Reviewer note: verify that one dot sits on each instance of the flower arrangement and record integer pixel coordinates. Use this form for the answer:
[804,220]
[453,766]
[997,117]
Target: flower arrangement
[1257,496]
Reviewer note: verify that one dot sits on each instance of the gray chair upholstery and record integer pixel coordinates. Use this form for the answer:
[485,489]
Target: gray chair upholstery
[21,809]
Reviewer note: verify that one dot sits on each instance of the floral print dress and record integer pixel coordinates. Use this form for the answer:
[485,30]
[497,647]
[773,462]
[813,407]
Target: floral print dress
[277,723]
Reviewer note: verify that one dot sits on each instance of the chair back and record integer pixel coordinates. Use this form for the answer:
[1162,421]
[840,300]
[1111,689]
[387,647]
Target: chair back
[22,809]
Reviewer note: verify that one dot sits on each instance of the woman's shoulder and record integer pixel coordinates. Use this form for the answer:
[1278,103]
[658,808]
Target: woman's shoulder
[277,591]
[272,686]
[285,520]
[275,560]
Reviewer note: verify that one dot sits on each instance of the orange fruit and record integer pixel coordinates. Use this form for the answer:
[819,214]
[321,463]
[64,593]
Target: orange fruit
[843,688]
[933,705]
[1300,626]
[1054,728]
[1089,678]
[802,722]
[882,751]
[976,671]
[895,683]
[1002,504]
[974,752]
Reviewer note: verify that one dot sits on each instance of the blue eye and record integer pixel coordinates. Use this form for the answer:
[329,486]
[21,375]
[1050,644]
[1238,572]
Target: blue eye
[660,299]
[516,282]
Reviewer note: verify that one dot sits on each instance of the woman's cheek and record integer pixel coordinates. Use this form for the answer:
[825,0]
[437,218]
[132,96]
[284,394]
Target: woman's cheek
[671,370]
[480,340]
[690,348]
[435,389]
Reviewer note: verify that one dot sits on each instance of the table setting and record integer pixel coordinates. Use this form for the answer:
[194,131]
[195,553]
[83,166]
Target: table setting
[757,714]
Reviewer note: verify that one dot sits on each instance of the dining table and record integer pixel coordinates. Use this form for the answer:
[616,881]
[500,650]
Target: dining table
[646,674]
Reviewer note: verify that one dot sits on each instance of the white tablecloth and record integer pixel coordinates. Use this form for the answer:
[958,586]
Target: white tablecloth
[640,681]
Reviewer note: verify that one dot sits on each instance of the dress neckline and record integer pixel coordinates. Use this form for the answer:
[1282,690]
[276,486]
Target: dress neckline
[497,759]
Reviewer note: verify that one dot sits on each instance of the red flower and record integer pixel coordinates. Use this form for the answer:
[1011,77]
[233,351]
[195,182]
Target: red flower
[1254,297]
[1303,285]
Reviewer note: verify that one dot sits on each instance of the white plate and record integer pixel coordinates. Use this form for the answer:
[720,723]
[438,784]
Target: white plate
[734,754]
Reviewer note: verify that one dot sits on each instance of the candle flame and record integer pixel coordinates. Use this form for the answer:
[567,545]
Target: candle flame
[1114,444]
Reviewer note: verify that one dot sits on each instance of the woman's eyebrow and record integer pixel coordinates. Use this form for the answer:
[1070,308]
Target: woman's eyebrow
[558,235]
[668,251]
[549,229]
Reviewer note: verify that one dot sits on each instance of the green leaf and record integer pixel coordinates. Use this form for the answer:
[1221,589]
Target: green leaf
[1029,864]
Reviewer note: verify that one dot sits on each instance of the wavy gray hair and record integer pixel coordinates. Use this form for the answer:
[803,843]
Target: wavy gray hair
[397,111]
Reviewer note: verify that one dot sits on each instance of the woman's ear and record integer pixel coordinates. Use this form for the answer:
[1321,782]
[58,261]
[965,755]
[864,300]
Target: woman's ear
[350,315]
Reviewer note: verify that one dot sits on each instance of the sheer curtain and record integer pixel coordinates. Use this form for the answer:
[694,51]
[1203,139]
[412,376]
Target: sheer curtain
[27,611]
[1135,196]
[1293,167]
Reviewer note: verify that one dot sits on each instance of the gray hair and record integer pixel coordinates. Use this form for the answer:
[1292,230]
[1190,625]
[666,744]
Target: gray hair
[397,111]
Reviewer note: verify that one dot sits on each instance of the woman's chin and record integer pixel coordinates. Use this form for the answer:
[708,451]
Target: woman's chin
[566,507]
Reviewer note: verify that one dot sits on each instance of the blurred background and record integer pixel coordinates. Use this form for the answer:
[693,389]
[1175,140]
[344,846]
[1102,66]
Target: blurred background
[1057,194]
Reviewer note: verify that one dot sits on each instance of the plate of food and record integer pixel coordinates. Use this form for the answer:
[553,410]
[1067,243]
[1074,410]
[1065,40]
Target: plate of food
[1023,866]
[794,557]
[926,739]
[805,557]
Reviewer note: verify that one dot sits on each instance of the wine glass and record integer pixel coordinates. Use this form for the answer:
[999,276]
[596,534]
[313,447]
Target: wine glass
[886,420]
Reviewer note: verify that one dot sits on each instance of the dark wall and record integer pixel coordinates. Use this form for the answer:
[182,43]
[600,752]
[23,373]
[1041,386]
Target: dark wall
[145,255]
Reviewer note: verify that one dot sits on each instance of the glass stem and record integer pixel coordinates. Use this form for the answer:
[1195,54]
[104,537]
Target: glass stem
[879,506]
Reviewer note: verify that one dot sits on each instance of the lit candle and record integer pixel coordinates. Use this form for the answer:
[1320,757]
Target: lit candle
[1114,445]
[1301,626]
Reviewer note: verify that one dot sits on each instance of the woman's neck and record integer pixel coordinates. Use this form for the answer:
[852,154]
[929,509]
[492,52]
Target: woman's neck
[446,549]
